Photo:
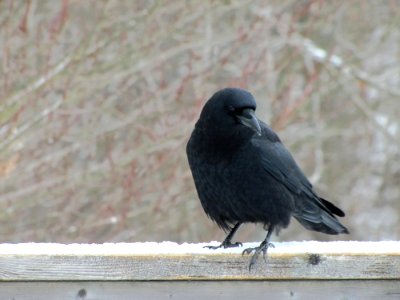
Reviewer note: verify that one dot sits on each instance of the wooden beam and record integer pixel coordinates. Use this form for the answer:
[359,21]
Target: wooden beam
[193,290]
[168,261]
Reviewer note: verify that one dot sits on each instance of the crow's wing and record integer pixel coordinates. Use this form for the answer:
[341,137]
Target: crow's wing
[279,163]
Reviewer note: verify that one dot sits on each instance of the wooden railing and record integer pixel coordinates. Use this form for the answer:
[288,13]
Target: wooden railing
[332,270]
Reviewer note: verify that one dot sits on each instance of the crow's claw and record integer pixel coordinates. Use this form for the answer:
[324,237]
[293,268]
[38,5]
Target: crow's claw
[257,250]
[225,245]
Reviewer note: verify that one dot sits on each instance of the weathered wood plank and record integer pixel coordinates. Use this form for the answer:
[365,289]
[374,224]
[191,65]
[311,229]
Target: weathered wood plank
[37,263]
[183,290]
[197,267]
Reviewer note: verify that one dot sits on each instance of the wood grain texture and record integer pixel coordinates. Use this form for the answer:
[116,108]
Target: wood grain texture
[307,266]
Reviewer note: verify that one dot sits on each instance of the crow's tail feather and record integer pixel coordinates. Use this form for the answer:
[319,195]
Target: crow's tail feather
[327,224]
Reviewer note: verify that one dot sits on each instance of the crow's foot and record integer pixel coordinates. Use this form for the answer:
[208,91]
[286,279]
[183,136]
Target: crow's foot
[225,245]
[257,250]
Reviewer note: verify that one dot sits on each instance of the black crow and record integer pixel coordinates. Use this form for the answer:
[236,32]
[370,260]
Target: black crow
[244,174]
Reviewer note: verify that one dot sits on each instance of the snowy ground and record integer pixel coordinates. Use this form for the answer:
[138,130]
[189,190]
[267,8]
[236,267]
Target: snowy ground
[171,248]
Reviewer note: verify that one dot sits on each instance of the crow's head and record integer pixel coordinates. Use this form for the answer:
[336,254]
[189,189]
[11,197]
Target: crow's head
[230,112]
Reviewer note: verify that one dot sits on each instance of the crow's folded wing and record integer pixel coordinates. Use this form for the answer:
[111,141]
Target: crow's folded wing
[279,163]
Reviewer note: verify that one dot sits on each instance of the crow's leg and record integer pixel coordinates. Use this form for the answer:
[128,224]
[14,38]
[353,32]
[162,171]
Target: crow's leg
[262,248]
[227,243]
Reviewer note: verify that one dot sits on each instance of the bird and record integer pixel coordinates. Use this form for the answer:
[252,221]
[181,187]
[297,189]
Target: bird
[243,173]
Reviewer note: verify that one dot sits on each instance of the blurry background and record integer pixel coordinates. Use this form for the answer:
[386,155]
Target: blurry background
[98,99]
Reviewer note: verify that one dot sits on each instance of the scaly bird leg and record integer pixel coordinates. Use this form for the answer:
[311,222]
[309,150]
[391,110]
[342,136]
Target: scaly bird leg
[262,248]
[227,243]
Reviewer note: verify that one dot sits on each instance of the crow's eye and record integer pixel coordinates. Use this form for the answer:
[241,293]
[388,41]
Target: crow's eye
[231,108]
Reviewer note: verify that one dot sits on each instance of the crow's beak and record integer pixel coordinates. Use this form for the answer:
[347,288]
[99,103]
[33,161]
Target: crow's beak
[249,119]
